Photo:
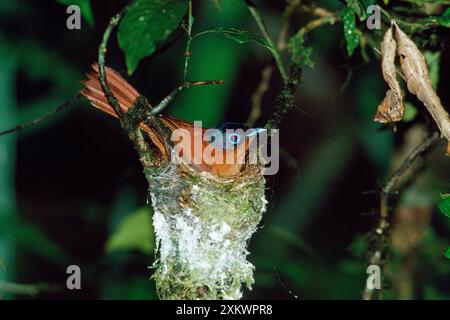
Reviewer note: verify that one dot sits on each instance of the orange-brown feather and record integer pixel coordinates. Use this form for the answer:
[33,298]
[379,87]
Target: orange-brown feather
[126,95]
[123,91]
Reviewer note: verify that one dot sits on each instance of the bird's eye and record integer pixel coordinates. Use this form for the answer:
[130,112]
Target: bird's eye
[234,138]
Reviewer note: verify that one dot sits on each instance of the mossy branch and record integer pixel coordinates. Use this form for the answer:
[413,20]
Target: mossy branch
[140,111]
[127,120]
[286,98]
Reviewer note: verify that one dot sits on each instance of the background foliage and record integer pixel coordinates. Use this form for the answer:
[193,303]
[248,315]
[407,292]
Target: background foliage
[71,188]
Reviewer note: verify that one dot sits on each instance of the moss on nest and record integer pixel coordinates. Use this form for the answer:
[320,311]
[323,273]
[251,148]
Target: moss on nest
[202,225]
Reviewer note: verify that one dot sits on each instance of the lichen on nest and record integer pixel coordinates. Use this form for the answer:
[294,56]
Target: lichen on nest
[203,224]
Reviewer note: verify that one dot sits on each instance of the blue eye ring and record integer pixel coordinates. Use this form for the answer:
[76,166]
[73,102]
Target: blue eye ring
[234,138]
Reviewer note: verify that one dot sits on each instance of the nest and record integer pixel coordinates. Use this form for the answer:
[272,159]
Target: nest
[203,224]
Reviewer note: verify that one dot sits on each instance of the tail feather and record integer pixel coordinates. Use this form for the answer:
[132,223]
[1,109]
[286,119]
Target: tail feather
[123,91]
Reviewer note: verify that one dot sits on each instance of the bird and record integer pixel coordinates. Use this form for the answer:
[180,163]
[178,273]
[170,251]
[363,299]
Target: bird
[234,144]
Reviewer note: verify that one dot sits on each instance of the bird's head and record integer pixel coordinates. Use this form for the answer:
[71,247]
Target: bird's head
[232,136]
[234,141]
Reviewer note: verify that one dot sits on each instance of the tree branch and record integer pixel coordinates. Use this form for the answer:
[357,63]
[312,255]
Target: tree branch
[285,99]
[187,51]
[140,110]
[164,102]
[381,230]
[41,118]
[267,72]
[263,87]
[127,121]
[101,62]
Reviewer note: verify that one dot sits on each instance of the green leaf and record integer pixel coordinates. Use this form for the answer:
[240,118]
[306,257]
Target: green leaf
[444,205]
[85,8]
[444,20]
[433,60]
[240,36]
[357,8]
[351,34]
[410,112]
[300,54]
[447,253]
[31,238]
[135,232]
[145,24]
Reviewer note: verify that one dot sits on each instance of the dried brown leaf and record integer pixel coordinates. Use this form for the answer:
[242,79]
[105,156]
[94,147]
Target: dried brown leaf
[418,80]
[391,109]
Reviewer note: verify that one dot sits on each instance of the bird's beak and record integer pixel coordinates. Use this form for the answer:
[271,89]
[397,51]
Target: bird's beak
[255,131]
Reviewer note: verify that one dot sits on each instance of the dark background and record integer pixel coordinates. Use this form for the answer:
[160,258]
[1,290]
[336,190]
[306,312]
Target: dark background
[67,184]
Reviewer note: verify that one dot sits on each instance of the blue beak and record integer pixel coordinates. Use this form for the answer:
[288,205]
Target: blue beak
[256,131]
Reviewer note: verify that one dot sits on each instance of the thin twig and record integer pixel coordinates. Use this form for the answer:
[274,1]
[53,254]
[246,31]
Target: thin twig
[287,15]
[314,24]
[418,24]
[135,134]
[406,164]
[262,26]
[41,118]
[26,289]
[164,102]
[381,230]
[101,62]
[140,110]
[316,11]
[277,274]
[323,17]
[285,99]
[263,87]
[267,72]
[187,51]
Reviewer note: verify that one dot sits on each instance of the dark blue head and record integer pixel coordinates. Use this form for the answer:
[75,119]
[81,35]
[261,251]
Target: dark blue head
[233,134]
